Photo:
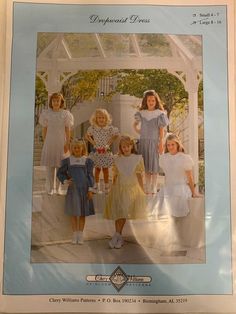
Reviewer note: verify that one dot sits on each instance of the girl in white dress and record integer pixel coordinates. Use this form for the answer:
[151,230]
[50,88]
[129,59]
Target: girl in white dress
[126,199]
[101,134]
[173,198]
[56,123]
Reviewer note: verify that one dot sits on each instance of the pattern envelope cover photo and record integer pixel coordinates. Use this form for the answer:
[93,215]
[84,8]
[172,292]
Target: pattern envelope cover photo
[117,160]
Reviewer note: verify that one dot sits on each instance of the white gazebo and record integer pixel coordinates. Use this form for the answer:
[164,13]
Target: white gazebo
[61,55]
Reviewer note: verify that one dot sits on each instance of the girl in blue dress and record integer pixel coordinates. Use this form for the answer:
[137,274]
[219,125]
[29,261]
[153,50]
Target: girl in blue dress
[150,121]
[78,170]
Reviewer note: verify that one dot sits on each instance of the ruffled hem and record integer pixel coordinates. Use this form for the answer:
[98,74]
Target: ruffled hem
[102,160]
[174,200]
[126,202]
[178,190]
[174,206]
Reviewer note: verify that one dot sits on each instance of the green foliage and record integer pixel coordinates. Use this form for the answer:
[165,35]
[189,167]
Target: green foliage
[41,96]
[201,181]
[84,86]
[200,96]
[81,45]
[154,44]
[169,87]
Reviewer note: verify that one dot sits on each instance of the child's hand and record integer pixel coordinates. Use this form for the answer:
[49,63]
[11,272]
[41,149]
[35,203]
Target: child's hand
[90,195]
[66,148]
[197,195]
[160,148]
[142,187]
[70,181]
[107,148]
[136,128]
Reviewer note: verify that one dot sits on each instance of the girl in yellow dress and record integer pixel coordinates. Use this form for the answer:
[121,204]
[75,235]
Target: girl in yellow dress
[126,200]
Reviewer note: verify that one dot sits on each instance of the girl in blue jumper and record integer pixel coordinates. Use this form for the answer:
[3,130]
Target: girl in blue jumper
[78,170]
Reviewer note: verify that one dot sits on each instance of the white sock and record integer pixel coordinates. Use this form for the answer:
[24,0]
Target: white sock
[74,237]
[80,237]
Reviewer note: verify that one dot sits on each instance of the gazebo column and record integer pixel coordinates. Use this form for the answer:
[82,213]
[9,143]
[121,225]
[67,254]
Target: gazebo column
[53,84]
[192,89]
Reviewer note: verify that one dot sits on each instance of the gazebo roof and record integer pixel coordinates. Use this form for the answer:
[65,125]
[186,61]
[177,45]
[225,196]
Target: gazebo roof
[102,51]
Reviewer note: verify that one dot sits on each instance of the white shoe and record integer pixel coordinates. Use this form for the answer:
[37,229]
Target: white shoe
[50,192]
[119,243]
[95,188]
[60,192]
[80,239]
[74,238]
[154,188]
[114,240]
[147,189]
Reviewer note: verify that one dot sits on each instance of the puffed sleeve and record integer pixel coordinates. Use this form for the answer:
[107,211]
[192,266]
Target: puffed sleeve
[187,162]
[89,166]
[43,118]
[62,172]
[137,116]
[114,131]
[140,166]
[69,119]
[162,120]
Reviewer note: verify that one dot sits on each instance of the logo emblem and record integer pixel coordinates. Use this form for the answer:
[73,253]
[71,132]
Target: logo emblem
[118,278]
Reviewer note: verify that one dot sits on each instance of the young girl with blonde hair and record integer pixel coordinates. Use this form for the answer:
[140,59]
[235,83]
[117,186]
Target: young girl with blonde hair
[179,187]
[101,134]
[78,170]
[126,199]
[174,197]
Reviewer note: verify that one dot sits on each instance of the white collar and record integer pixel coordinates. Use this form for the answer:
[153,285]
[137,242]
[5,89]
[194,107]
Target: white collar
[77,160]
[126,164]
[148,115]
[178,154]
